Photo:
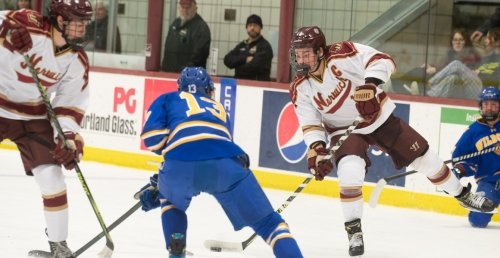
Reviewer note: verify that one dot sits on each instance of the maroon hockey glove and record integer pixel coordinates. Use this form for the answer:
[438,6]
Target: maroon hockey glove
[367,102]
[317,162]
[19,36]
[67,156]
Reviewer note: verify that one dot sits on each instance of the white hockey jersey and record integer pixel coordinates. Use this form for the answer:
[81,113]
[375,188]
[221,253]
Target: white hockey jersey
[324,104]
[63,73]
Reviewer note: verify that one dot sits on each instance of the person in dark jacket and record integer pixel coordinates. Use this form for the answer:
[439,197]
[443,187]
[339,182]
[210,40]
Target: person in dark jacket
[252,57]
[188,39]
[97,31]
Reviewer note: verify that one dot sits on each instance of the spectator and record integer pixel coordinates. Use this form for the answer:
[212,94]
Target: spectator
[252,57]
[97,31]
[188,39]
[493,21]
[489,68]
[457,79]
[454,69]
[20,4]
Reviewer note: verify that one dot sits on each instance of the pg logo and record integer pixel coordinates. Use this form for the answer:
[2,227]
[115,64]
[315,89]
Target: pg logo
[123,97]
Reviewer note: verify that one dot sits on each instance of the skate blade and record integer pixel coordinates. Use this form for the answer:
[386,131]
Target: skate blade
[40,253]
[495,211]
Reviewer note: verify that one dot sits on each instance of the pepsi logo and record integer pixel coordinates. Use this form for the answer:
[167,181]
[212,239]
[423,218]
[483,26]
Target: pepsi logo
[289,135]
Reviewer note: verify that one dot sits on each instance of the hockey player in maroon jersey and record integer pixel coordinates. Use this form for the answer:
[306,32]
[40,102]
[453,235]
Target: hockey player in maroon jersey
[54,45]
[334,85]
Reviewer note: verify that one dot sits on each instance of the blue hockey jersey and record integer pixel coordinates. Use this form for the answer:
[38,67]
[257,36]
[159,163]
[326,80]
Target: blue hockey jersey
[480,136]
[185,126]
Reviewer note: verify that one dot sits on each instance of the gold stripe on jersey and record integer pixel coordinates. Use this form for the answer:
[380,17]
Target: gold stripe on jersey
[155,133]
[158,145]
[194,138]
[191,124]
[311,128]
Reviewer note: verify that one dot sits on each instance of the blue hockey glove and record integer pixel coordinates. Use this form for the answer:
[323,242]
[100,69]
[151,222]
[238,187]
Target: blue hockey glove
[150,199]
[153,184]
[153,181]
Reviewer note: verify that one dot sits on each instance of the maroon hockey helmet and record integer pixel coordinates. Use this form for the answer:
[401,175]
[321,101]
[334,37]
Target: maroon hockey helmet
[309,37]
[71,10]
[306,37]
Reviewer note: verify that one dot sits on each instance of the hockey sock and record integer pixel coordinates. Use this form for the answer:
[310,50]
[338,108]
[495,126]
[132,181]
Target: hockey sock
[56,218]
[276,233]
[173,221]
[55,202]
[447,181]
[351,200]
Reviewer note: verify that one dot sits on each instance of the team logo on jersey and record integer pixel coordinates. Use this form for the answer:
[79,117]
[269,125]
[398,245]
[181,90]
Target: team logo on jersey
[289,135]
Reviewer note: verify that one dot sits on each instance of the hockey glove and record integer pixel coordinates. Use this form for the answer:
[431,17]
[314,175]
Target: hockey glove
[152,185]
[317,162]
[150,199]
[19,36]
[367,102]
[73,152]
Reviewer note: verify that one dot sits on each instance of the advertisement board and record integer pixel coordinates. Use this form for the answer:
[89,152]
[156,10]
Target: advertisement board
[113,117]
[282,147]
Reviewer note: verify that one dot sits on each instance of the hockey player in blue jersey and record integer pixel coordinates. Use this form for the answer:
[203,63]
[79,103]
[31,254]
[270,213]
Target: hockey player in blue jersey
[482,134]
[190,130]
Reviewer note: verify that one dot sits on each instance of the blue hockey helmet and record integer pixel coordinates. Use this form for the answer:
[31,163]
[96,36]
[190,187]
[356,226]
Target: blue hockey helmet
[195,80]
[489,93]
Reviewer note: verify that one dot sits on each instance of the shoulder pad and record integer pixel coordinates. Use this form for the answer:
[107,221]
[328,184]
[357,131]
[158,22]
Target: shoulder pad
[341,50]
[29,18]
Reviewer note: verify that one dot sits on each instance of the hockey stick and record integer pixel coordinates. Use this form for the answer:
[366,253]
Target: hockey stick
[383,181]
[219,246]
[108,249]
[111,227]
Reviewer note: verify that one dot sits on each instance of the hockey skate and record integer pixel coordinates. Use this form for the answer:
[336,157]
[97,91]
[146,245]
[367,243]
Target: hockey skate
[60,250]
[356,244]
[474,201]
[177,248]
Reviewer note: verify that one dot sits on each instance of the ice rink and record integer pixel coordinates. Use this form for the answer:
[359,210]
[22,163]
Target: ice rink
[315,221]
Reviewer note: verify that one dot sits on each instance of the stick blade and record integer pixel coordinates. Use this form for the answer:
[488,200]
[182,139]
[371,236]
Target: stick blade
[223,246]
[376,193]
[105,253]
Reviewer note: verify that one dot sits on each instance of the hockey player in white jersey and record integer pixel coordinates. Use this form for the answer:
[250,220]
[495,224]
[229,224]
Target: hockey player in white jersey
[54,45]
[334,85]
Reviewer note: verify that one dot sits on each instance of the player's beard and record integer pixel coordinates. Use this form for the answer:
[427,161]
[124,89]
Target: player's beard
[316,65]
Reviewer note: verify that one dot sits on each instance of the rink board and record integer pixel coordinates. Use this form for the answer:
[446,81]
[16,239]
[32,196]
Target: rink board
[266,128]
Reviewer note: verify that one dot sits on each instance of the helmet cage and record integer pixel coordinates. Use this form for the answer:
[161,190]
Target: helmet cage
[300,69]
[71,10]
[306,37]
[195,80]
[489,93]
